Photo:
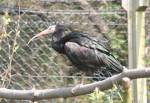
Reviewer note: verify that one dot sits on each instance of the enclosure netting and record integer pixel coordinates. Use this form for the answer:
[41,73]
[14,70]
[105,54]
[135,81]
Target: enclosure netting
[37,65]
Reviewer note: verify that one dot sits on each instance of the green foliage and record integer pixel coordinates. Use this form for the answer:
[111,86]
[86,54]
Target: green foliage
[1,1]
[97,96]
[147,61]
[108,96]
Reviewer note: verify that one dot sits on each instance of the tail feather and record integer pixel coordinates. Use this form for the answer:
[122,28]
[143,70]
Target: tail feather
[114,65]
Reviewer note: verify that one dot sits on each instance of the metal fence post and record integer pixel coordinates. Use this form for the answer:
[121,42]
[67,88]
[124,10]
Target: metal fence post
[136,43]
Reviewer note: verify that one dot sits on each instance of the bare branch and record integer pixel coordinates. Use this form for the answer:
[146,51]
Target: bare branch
[67,91]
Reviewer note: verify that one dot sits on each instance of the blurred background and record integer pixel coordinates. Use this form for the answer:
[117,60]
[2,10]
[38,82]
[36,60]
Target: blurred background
[37,65]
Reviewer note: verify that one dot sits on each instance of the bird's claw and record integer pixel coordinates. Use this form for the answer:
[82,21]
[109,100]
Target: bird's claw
[73,90]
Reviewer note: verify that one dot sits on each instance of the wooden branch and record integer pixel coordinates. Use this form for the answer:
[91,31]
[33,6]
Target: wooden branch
[78,90]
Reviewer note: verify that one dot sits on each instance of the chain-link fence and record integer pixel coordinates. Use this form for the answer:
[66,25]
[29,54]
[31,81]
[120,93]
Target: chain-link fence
[37,65]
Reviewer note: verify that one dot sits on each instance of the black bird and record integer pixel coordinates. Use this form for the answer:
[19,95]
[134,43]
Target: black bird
[86,53]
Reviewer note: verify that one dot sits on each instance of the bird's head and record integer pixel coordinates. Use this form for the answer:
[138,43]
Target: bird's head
[51,30]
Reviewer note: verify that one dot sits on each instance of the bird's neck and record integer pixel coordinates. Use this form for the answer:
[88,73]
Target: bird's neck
[56,44]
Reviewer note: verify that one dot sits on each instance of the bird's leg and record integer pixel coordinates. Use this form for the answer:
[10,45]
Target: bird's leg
[82,77]
[79,84]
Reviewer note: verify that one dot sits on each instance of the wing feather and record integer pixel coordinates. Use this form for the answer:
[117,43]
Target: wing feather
[86,41]
[89,58]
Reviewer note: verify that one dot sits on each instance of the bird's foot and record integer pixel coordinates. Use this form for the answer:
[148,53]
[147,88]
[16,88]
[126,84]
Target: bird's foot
[76,88]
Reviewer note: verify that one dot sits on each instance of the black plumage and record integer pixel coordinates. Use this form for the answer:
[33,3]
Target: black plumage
[86,53]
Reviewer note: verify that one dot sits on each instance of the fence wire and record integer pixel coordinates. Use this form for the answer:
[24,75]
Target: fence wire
[37,65]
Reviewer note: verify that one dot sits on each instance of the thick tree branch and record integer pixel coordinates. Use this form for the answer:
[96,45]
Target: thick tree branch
[67,91]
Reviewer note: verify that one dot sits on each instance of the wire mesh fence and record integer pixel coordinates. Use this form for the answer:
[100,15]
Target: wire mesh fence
[37,65]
